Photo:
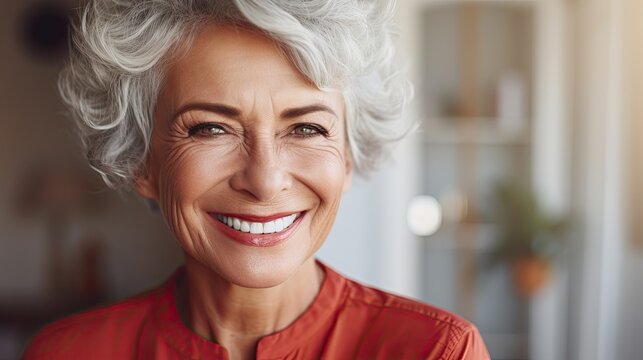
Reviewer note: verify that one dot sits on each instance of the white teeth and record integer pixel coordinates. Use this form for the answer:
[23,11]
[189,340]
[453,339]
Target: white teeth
[279,225]
[256,228]
[288,220]
[269,227]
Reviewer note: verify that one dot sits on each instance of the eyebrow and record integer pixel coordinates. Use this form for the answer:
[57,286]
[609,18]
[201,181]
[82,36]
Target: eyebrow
[304,110]
[221,109]
[234,113]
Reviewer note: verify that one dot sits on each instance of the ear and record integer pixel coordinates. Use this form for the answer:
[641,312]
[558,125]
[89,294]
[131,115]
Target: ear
[349,170]
[145,183]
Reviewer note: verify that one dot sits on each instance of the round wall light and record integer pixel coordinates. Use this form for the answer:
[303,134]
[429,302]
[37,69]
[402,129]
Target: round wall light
[424,215]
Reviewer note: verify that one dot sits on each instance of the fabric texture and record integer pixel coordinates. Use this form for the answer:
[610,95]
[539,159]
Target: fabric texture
[347,320]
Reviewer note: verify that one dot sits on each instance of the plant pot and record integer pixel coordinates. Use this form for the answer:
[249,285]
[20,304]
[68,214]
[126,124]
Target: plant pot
[530,273]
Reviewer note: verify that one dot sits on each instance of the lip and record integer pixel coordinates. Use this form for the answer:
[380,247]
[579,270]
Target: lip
[258,240]
[257,218]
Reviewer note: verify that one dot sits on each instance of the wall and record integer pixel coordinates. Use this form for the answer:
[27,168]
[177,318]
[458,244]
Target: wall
[605,313]
[34,132]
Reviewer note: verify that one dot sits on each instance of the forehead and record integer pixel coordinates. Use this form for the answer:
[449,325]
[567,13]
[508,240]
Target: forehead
[227,62]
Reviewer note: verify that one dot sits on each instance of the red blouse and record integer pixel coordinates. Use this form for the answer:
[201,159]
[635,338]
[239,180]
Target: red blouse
[346,321]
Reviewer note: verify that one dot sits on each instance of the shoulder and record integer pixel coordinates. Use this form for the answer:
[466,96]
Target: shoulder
[395,306]
[405,325]
[106,332]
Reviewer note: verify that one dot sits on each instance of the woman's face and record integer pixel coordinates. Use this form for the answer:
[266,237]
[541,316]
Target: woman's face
[248,160]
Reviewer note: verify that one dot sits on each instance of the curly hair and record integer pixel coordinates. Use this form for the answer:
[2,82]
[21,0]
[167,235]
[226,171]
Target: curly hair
[120,49]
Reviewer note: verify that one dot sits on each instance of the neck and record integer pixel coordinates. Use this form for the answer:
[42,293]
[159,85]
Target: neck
[238,317]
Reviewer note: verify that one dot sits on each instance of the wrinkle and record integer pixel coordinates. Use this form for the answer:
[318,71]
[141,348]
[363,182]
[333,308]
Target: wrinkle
[201,175]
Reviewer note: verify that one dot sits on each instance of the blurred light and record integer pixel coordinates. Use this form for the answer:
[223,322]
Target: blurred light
[455,206]
[424,216]
[45,29]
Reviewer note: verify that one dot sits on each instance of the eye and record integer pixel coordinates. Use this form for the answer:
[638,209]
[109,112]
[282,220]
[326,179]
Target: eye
[206,130]
[309,130]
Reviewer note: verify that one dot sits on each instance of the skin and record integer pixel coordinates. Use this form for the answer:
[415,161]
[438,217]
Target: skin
[261,158]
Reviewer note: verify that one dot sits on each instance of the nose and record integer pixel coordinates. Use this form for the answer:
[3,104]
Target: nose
[263,175]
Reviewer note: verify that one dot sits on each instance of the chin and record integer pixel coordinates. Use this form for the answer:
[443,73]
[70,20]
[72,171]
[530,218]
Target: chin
[256,268]
[257,278]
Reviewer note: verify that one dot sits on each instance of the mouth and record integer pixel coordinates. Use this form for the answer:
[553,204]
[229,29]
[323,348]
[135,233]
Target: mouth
[257,227]
[258,231]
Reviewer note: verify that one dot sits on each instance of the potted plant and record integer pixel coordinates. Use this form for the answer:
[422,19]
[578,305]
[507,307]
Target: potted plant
[529,238]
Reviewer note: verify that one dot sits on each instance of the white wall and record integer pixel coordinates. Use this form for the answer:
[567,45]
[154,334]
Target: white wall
[353,245]
[606,318]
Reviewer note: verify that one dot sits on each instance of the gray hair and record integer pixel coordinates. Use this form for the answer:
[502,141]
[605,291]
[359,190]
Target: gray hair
[120,48]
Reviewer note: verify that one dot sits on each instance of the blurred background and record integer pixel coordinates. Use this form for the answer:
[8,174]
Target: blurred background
[518,204]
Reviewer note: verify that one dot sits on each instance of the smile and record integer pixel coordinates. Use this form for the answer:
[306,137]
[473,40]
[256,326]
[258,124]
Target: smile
[253,227]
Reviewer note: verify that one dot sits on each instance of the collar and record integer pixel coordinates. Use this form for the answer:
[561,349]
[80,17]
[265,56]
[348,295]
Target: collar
[276,345]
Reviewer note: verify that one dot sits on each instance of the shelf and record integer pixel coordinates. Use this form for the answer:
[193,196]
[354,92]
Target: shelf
[472,131]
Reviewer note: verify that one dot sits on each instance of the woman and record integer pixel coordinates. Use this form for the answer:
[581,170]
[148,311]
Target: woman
[243,120]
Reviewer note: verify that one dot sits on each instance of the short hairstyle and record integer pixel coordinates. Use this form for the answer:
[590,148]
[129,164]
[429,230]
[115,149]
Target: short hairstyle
[120,47]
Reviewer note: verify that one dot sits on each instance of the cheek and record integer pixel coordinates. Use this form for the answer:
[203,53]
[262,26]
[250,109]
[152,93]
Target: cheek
[189,171]
[186,173]
[323,171]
